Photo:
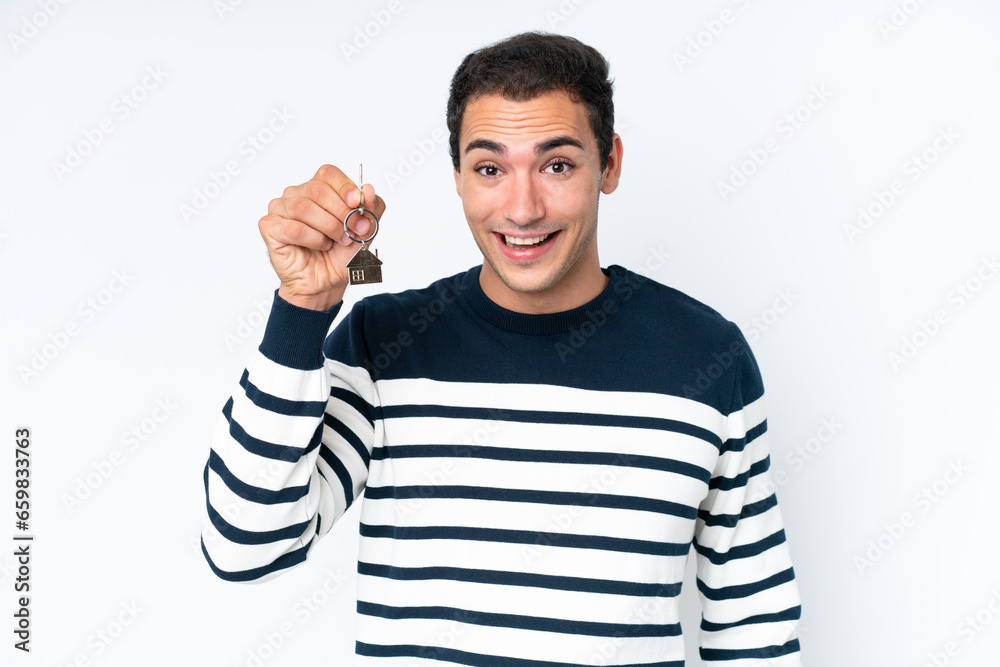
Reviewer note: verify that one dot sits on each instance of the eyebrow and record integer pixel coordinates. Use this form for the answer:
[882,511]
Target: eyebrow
[540,148]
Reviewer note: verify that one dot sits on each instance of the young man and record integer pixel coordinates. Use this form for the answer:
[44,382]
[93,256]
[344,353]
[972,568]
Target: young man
[539,441]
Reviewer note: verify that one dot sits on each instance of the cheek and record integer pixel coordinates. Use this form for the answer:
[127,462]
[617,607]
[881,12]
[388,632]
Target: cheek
[571,199]
[480,204]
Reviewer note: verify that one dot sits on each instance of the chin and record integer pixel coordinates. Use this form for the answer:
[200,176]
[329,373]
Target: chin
[524,281]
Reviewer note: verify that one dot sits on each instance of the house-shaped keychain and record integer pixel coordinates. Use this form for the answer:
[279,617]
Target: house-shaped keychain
[364,267]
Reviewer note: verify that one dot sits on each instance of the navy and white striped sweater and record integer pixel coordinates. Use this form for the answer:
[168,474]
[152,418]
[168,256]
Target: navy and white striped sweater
[532,483]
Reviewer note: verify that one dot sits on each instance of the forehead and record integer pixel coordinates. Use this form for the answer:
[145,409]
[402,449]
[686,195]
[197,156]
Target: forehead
[548,115]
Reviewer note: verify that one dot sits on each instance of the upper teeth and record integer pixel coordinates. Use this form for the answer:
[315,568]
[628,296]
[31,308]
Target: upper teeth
[514,240]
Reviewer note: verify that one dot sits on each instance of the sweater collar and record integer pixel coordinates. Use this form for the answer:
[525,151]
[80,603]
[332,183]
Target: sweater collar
[544,324]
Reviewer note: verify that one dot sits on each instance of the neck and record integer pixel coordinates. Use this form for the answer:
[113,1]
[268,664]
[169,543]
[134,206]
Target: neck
[582,285]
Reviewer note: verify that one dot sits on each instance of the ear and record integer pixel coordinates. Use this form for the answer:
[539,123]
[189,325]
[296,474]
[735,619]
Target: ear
[458,183]
[609,180]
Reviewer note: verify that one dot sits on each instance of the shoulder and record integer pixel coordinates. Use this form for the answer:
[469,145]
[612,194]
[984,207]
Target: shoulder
[669,307]
[384,316]
[699,353]
[379,328]
[444,290]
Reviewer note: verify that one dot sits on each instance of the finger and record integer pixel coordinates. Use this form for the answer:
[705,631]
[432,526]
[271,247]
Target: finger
[345,188]
[329,185]
[330,200]
[364,224]
[333,191]
[305,209]
[327,198]
[348,189]
[279,230]
[379,206]
[361,223]
[372,201]
[331,175]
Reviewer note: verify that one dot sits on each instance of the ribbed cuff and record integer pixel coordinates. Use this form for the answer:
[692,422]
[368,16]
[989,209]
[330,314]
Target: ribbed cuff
[294,336]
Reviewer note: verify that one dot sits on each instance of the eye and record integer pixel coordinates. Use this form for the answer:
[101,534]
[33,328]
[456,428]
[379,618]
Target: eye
[559,166]
[489,170]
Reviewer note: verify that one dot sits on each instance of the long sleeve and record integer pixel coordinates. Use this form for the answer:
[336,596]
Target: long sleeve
[750,600]
[291,449]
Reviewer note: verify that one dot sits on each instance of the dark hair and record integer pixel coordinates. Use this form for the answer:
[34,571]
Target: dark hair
[524,66]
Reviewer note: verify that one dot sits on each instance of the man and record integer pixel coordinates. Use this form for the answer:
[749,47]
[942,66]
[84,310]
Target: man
[539,441]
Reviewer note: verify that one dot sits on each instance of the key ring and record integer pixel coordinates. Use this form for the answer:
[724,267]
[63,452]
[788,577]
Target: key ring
[362,210]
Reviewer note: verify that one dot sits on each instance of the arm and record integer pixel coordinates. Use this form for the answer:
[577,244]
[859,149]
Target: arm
[291,449]
[750,601]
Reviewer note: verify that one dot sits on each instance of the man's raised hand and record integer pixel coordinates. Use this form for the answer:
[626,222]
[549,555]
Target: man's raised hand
[304,233]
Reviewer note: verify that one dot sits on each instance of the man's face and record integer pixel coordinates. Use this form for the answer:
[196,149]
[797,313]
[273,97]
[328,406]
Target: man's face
[529,177]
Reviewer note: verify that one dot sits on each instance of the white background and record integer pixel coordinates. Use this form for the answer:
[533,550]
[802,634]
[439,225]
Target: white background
[184,317]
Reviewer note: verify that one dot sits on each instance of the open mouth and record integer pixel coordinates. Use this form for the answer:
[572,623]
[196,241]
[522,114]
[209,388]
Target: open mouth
[521,243]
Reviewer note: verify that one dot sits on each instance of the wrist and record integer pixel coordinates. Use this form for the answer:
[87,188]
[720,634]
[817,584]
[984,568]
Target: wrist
[322,302]
[294,335]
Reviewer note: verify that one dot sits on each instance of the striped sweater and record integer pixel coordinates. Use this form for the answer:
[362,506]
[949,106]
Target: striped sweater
[532,484]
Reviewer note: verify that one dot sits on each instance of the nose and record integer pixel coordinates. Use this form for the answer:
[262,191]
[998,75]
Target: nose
[524,204]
